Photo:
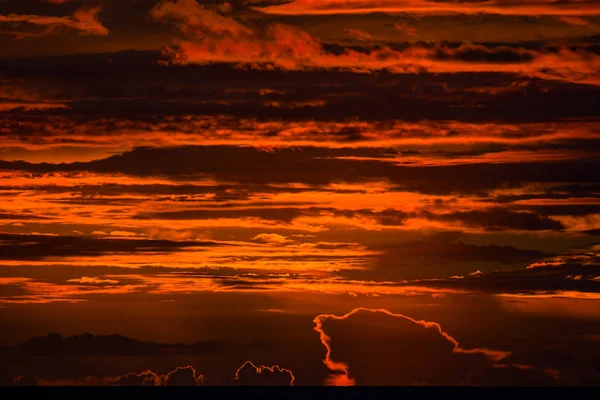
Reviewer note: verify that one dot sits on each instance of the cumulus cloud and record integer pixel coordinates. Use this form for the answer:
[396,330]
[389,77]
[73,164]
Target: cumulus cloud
[250,374]
[341,375]
[183,376]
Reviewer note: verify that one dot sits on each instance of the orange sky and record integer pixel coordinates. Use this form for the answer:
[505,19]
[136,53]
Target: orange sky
[276,193]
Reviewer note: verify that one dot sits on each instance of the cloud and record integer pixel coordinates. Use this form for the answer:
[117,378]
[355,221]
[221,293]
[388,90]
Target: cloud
[271,238]
[93,280]
[396,261]
[146,378]
[25,380]
[500,218]
[406,29]
[123,234]
[341,375]
[180,376]
[215,38]
[234,111]
[83,20]
[575,21]
[30,106]
[87,344]
[39,247]
[250,374]
[305,165]
[419,7]
[196,20]
[568,279]
[360,35]
[183,376]
[21,216]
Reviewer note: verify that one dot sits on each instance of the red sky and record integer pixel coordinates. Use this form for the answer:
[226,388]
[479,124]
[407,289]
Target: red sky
[299,192]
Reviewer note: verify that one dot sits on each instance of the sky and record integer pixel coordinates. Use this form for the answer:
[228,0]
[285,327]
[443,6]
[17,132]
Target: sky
[300,192]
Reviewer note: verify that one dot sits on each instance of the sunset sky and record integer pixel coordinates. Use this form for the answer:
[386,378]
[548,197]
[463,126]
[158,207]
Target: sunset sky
[300,192]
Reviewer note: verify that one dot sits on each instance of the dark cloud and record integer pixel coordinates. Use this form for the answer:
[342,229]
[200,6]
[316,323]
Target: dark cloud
[305,165]
[540,279]
[251,375]
[554,192]
[223,89]
[500,218]
[18,216]
[39,247]
[513,376]
[577,368]
[273,214]
[411,353]
[87,344]
[387,217]
[6,377]
[489,120]
[180,376]
[147,378]
[560,209]
[440,258]
[183,376]
[484,54]
[25,380]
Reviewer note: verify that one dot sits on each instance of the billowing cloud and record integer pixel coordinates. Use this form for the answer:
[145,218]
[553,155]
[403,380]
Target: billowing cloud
[341,375]
[250,374]
[215,38]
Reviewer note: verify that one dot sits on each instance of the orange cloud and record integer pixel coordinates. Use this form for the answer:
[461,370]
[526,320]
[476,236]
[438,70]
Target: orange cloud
[84,20]
[195,20]
[360,35]
[341,370]
[271,238]
[576,21]
[29,106]
[406,29]
[212,37]
[92,280]
[543,7]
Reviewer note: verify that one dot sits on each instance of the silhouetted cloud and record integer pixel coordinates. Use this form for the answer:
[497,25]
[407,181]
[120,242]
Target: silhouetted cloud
[341,375]
[39,247]
[87,344]
[249,375]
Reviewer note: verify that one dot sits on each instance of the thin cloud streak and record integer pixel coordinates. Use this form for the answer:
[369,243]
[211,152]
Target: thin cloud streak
[423,7]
